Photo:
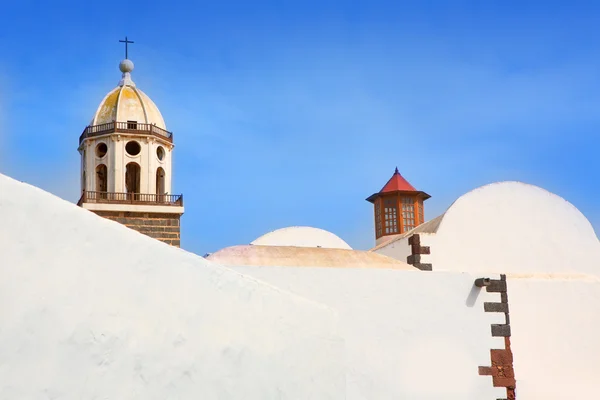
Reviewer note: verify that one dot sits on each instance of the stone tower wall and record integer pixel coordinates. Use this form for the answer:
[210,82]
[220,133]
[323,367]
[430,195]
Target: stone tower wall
[160,226]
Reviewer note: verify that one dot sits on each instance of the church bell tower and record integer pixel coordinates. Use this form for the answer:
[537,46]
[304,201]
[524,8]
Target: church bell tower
[126,163]
[398,208]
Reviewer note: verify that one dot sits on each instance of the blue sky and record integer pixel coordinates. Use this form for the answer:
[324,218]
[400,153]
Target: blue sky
[293,112]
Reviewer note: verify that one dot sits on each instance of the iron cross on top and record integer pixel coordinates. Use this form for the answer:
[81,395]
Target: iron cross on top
[126,45]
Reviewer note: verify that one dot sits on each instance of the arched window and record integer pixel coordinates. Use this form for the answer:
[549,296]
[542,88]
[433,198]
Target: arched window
[160,181]
[132,179]
[101,180]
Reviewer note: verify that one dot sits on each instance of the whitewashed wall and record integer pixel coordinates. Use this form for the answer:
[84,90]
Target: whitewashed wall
[408,334]
[555,326]
[116,160]
[90,309]
[400,249]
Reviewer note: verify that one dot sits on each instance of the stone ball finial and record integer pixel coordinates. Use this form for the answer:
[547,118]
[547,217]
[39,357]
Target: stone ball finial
[126,66]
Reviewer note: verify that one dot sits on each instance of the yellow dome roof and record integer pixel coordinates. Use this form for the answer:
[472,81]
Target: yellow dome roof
[128,103]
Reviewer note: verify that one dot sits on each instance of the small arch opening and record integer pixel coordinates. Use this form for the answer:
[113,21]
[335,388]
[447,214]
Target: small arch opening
[101,150]
[101,180]
[160,181]
[133,148]
[132,180]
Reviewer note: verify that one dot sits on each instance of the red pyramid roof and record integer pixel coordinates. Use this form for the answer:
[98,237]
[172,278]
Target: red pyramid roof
[397,182]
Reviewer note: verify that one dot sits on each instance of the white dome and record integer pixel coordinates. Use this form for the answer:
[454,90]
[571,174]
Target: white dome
[515,228]
[292,256]
[128,103]
[302,236]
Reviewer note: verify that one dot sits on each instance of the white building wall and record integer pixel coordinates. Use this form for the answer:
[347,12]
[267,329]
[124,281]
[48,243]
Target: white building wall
[151,165]
[102,161]
[90,166]
[555,323]
[82,170]
[83,167]
[90,309]
[165,163]
[127,158]
[400,249]
[114,170]
[146,172]
[408,334]
[117,159]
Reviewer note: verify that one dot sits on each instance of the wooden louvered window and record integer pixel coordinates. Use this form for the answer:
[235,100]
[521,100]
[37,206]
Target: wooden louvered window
[390,213]
[408,213]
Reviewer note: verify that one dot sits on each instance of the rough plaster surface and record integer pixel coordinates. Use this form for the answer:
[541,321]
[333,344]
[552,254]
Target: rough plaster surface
[92,310]
[408,334]
[555,324]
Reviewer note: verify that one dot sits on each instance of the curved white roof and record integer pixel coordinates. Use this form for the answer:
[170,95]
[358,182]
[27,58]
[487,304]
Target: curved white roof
[513,228]
[290,256]
[128,103]
[302,236]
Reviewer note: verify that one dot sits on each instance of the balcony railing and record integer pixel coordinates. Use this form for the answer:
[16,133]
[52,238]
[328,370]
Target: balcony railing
[125,127]
[131,198]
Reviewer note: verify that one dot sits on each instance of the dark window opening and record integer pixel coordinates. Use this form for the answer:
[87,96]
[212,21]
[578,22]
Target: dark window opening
[101,181]
[160,153]
[132,180]
[133,148]
[160,181]
[101,150]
